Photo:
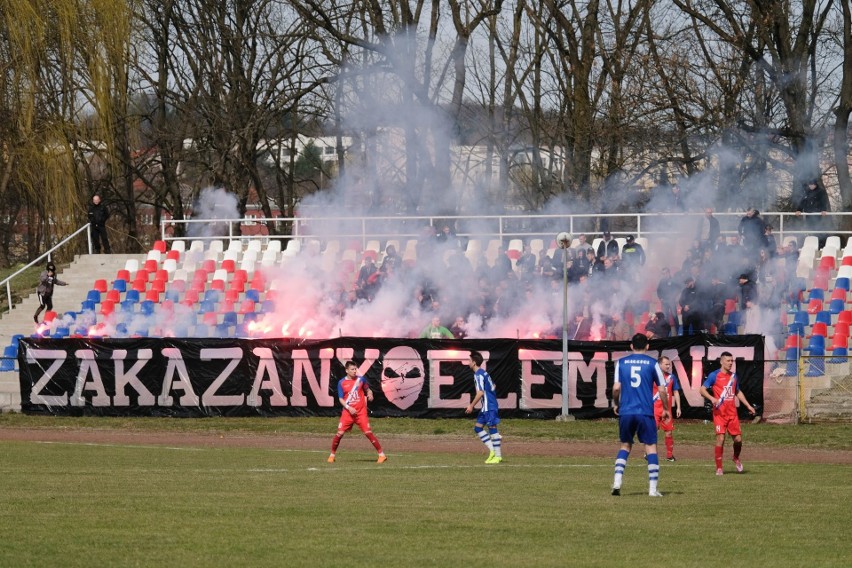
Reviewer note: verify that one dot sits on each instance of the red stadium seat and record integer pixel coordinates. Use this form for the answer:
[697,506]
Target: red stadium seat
[158,286]
[271,295]
[237,285]
[828,262]
[140,285]
[209,265]
[257,282]
[232,295]
[210,318]
[191,296]
[814,306]
[821,278]
[107,307]
[178,285]
[198,285]
[847,261]
[226,306]
[49,316]
[173,255]
[240,274]
[159,245]
[838,294]
[161,274]
[845,316]
[730,306]
[218,285]
[247,307]
[113,296]
[841,328]
[151,265]
[100,285]
[229,266]
[153,295]
[819,328]
[123,275]
[794,341]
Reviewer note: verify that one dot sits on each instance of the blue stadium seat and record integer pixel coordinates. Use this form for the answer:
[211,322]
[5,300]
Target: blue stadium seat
[131,296]
[206,307]
[836,306]
[211,296]
[87,306]
[222,331]
[10,353]
[796,328]
[816,363]
[17,338]
[202,330]
[791,356]
[267,307]
[93,296]
[816,343]
[120,285]
[802,317]
[146,308]
[252,294]
[824,317]
[128,306]
[842,283]
[121,330]
[172,295]
[229,319]
[839,355]
[61,332]
[247,318]
[816,294]
[71,316]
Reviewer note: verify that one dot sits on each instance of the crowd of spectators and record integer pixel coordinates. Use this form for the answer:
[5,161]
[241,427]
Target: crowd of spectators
[614,290]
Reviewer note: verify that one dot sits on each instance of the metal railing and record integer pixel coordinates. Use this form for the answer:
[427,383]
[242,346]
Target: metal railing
[47,255]
[522,226]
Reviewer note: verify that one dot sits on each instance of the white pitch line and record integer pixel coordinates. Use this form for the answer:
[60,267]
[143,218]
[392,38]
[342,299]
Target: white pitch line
[99,445]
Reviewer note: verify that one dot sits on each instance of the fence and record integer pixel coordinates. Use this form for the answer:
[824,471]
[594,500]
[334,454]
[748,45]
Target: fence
[807,388]
[521,226]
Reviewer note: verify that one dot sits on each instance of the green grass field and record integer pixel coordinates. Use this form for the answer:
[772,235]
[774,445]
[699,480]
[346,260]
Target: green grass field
[76,504]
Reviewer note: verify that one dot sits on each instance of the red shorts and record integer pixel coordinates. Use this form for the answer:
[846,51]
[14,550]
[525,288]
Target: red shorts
[664,426]
[727,423]
[347,420]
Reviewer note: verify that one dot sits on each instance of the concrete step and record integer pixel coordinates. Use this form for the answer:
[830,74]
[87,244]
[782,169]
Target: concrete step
[80,276]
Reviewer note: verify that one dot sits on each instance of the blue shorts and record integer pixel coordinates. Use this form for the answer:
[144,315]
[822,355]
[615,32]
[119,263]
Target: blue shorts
[489,418]
[639,425]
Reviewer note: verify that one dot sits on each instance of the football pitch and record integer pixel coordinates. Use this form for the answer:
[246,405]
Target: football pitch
[83,503]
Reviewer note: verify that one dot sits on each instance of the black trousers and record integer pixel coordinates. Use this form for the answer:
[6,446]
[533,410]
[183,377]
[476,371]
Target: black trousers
[99,236]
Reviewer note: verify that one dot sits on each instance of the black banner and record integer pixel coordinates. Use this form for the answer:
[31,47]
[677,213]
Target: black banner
[413,378]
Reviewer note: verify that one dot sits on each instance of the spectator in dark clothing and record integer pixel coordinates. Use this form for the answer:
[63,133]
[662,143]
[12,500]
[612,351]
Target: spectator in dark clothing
[718,294]
[502,265]
[46,281]
[580,329]
[751,232]
[770,244]
[691,308]
[526,263]
[668,292]
[632,255]
[364,285]
[814,200]
[98,215]
[657,326]
[748,292]
[708,229]
[607,247]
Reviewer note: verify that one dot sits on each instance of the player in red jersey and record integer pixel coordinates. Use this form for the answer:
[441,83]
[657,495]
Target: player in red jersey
[673,392]
[725,388]
[354,393]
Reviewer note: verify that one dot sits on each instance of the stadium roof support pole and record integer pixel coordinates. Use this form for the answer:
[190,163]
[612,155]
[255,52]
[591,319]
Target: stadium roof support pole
[564,241]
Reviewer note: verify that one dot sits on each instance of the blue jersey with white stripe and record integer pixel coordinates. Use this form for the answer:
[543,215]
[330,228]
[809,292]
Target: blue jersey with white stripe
[482,381]
[637,374]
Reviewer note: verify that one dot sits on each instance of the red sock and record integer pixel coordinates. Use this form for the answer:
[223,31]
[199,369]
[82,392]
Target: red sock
[336,442]
[737,447]
[719,457]
[374,441]
[669,446]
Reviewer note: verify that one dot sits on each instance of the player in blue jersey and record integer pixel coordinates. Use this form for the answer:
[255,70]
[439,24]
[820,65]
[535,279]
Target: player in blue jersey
[487,393]
[633,402]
